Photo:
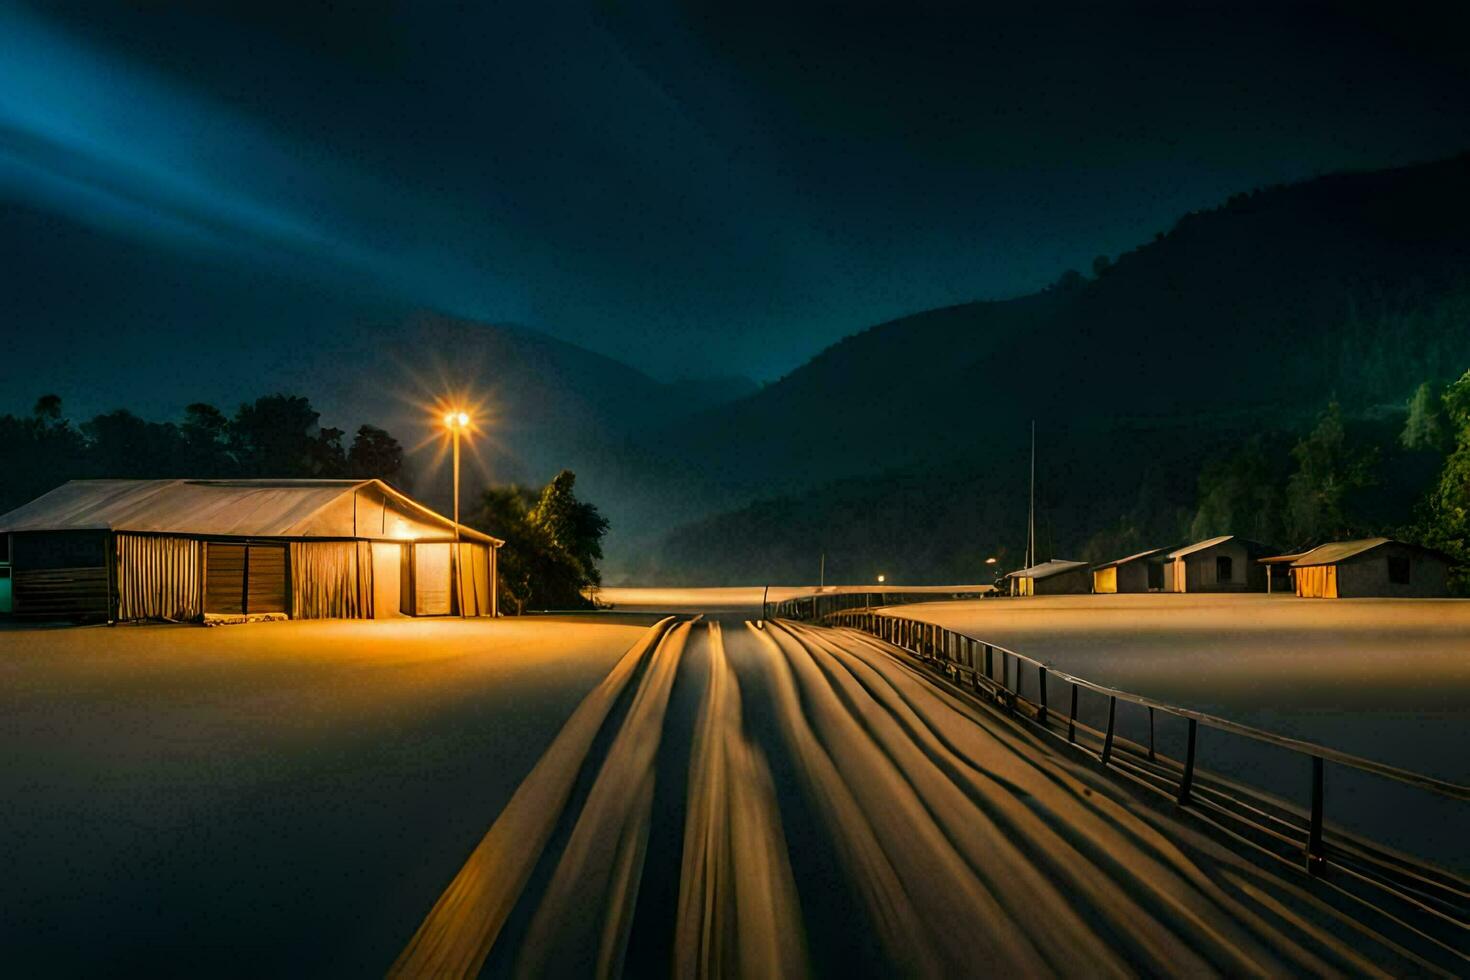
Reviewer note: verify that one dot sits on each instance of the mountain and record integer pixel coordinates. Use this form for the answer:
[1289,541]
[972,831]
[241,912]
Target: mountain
[1241,319]
[540,403]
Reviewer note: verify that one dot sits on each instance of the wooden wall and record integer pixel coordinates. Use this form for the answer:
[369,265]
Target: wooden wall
[61,575]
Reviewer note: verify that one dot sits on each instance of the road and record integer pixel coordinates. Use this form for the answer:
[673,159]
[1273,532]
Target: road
[791,800]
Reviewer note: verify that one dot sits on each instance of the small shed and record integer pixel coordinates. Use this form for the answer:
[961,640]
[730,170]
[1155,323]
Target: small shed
[191,550]
[1055,577]
[1372,567]
[1143,572]
[1227,563]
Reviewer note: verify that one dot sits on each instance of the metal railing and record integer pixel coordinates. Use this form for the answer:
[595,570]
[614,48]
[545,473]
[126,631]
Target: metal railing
[817,606]
[1268,822]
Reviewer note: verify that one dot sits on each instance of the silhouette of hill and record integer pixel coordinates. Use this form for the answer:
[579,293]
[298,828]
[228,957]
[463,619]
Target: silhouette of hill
[1246,317]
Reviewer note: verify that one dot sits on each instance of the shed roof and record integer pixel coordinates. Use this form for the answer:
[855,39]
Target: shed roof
[1281,559]
[1046,569]
[1335,551]
[1123,561]
[1250,546]
[235,508]
[1190,549]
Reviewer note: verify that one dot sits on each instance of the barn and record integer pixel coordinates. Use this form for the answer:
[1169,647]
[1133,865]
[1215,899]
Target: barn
[1224,564]
[198,550]
[1143,572]
[1372,567]
[1055,577]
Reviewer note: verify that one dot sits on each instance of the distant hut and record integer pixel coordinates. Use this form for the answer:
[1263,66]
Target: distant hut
[1224,564]
[190,550]
[1372,567]
[1143,572]
[1056,577]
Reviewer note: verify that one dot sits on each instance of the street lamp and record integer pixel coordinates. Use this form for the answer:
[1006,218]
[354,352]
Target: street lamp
[882,579]
[457,422]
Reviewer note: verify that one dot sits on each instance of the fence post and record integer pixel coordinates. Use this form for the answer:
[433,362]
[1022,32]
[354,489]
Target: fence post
[1041,713]
[1186,782]
[1316,855]
[1072,717]
[1150,733]
[989,671]
[1107,751]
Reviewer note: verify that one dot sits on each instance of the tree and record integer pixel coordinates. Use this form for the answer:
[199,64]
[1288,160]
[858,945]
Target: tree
[120,444]
[1425,427]
[376,455]
[1237,495]
[1101,266]
[205,432]
[574,526]
[505,512]
[278,436]
[1446,521]
[1329,470]
[48,408]
[39,452]
[553,542]
[327,457]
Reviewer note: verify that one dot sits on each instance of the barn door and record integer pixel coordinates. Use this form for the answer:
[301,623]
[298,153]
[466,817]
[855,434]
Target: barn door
[224,579]
[431,571]
[265,578]
[244,578]
[387,584]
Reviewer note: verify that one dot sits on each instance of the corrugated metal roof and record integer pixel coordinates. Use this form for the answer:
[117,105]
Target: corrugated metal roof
[235,508]
[1123,561]
[1335,551]
[1048,568]
[1190,549]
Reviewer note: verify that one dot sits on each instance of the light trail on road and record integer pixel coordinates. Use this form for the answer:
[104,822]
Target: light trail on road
[837,810]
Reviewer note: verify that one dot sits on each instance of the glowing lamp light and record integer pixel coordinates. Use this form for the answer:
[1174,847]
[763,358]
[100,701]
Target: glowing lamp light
[882,579]
[990,561]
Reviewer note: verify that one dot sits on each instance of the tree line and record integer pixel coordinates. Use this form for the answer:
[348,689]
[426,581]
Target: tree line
[277,436]
[1333,484]
[553,539]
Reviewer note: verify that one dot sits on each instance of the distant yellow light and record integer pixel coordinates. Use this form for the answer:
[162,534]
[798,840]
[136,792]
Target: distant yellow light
[464,420]
[882,578]
[449,420]
[990,561]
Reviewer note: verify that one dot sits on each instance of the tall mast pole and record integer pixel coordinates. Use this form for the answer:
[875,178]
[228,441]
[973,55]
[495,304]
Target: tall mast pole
[458,585]
[1031,532]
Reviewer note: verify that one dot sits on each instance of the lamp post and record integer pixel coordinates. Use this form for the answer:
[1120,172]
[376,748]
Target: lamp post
[456,422]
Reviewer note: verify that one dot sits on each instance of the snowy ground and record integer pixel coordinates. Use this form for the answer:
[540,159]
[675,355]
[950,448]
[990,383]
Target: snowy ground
[1384,678]
[744,600]
[262,799]
[765,803]
[300,798]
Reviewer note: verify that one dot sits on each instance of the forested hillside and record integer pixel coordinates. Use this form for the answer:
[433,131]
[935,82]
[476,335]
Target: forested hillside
[1243,321]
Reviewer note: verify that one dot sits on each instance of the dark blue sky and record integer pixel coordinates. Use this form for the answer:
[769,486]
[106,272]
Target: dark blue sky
[691,191]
